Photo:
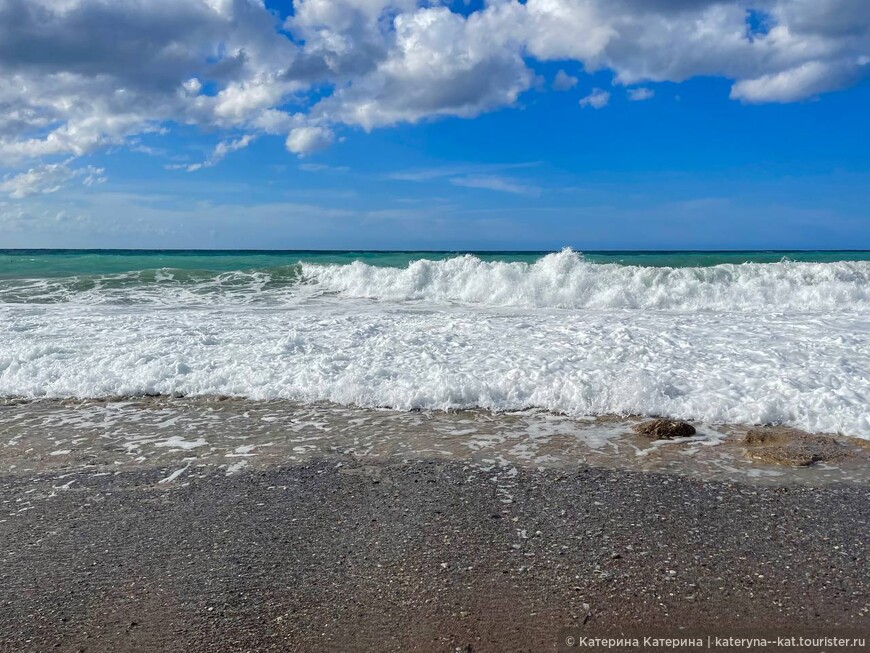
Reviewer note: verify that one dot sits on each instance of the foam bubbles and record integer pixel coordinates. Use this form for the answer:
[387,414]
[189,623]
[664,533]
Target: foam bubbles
[810,371]
[565,280]
[755,343]
[560,280]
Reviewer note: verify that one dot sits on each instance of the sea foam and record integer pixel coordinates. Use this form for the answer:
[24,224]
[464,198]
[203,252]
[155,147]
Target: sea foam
[565,280]
[757,343]
[560,280]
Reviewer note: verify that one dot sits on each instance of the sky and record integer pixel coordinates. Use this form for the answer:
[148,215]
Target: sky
[457,125]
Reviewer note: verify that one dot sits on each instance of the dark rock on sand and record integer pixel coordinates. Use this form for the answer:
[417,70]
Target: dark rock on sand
[787,446]
[665,429]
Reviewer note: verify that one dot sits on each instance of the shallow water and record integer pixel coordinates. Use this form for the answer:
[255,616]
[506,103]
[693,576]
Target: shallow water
[192,436]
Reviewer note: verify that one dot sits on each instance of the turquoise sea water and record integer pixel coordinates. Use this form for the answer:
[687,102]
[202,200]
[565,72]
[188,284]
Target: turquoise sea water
[28,264]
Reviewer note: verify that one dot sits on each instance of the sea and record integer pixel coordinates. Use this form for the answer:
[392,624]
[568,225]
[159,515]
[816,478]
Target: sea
[730,337]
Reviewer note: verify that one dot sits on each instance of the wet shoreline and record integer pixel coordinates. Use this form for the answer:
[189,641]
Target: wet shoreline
[158,524]
[231,434]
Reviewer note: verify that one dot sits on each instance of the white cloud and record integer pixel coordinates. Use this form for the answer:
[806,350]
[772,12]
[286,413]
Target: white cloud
[462,170]
[597,99]
[640,94]
[48,178]
[563,81]
[438,64]
[83,74]
[308,139]
[79,75]
[565,29]
[220,152]
[322,167]
[789,85]
[484,176]
[496,183]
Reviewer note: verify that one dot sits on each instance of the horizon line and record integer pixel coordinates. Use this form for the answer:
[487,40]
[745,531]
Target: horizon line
[424,251]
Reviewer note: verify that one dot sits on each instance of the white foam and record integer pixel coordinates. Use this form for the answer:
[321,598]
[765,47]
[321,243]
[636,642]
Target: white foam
[565,280]
[783,342]
[176,442]
[174,475]
[560,280]
[236,467]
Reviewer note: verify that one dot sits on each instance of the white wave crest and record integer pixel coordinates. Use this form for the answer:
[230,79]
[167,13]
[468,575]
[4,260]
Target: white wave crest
[566,280]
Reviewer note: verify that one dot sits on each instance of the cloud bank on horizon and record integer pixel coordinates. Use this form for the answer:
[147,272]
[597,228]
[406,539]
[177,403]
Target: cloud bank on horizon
[77,76]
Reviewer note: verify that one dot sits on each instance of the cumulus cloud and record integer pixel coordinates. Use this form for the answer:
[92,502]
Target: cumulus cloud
[439,64]
[563,81]
[790,85]
[597,99]
[79,75]
[640,94]
[308,139]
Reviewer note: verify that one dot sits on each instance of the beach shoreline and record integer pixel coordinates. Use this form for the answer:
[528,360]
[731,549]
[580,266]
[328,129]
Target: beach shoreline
[195,434]
[157,547]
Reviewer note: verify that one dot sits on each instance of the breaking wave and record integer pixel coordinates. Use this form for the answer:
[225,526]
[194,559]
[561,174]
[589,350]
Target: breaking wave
[561,280]
[565,280]
[778,342]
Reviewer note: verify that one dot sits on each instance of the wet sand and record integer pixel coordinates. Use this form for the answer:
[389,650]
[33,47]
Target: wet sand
[425,544]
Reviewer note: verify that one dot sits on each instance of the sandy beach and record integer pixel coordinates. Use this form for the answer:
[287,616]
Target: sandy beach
[107,548]
[434,326]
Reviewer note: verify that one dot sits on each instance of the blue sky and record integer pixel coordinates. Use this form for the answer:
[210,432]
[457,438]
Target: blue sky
[626,153]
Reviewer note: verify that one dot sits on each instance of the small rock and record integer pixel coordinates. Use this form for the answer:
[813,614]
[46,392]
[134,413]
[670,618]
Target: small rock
[787,446]
[665,429]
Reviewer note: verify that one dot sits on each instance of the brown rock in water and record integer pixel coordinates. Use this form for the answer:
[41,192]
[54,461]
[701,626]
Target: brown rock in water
[787,446]
[665,429]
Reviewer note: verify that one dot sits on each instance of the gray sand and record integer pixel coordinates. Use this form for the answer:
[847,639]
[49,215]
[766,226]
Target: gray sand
[423,556]
[115,541]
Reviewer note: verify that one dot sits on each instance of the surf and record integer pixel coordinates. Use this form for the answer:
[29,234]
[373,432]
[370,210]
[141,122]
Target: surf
[561,280]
